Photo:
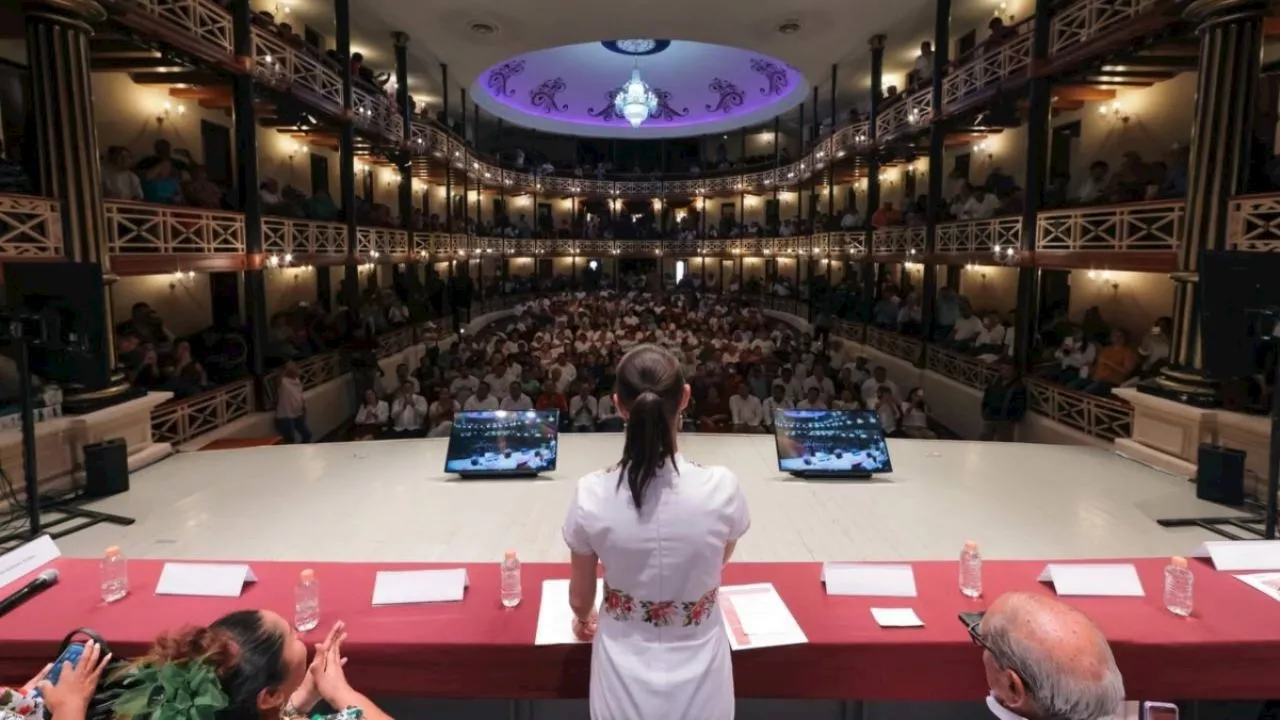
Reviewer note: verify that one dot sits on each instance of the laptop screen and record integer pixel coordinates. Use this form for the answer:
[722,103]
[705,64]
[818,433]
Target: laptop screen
[497,441]
[817,441]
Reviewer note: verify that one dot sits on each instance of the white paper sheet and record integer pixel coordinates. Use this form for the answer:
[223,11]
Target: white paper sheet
[555,619]
[27,558]
[764,611]
[869,580]
[419,586]
[1241,555]
[896,617]
[204,579]
[1094,580]
[1268,583]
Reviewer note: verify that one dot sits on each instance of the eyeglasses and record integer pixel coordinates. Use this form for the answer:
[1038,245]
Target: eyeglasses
[974,626]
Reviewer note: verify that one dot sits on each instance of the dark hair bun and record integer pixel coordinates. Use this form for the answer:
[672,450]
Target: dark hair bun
[196,644]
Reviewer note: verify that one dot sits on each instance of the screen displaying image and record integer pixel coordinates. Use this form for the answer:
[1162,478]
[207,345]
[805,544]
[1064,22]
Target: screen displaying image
[819,441]
[503,441]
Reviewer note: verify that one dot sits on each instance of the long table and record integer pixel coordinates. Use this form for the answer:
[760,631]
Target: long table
[1228,649]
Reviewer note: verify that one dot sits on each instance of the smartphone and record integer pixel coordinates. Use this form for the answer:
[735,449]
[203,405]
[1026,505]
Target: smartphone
[70,655]
[1159,711]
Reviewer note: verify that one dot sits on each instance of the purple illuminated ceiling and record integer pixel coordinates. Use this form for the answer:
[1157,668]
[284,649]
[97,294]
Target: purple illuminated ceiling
[701,88]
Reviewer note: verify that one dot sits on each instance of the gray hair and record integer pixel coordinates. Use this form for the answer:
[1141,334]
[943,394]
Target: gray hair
[1058,688]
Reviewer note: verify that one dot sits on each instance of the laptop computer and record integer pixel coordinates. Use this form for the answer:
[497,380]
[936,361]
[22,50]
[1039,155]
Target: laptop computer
[831,443]
[503,443]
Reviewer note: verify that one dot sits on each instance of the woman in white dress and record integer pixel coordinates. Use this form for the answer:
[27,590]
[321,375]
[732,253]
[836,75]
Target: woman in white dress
[663,528]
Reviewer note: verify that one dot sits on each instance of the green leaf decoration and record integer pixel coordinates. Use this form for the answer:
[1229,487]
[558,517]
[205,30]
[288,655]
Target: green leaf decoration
[173,691]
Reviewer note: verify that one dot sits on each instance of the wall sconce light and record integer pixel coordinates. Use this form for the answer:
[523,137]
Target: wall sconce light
[296,149]
[1116,111]
[186,279]
[170,110]
[1104,277]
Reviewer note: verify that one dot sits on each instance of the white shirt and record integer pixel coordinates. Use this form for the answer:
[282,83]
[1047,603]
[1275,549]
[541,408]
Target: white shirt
[441,409]
[375,415]
[583,410]
[605,408]
[914,417]
[463,387]
[120,184]
[975,209]
[923,66]
[650,559]
[967,328]
[498,384]
[1090,189]
[826,388]
[806,405]
[474,403]
[871,391]
[770,405]
[407,413]
[523,403]
[746,410]
[568,374]
[994,336]
[396,382]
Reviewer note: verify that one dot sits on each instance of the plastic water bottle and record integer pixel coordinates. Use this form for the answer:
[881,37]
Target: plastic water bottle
[115,575]
[511,592]
[1178,582]
[306,602]
[971,571]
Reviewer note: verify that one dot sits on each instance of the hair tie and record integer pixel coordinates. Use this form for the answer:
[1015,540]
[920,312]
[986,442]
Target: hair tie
[187,690]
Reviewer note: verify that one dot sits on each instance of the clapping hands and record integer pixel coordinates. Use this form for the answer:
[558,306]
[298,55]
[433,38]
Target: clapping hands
[310,692]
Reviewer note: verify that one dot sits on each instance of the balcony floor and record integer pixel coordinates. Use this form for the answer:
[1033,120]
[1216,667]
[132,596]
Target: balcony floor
[388,501]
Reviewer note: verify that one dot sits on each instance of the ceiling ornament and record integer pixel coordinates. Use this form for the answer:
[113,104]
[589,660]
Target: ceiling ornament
[501,75]
[610,111]
[731,96]
[665,110]
[635,101]
[544,96]
[637,46]
[775,76]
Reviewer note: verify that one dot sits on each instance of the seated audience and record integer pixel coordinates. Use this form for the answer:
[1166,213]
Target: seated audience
[990,341]
[583,409]
[408,411]
[119,181]
[607,410]
[440,413]
[481,400]
[915,416]
[812,400]
[373,412]
[1155,348]
[1115,363]
[889,408]
[1075,358]
[745,410]
[517,400]
[777,400]
[1045,660]
[871,388]
[966,329]
[713,412]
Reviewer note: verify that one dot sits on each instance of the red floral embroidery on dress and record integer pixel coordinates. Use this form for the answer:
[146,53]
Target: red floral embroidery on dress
[617,604]
[658,614]
[696,612]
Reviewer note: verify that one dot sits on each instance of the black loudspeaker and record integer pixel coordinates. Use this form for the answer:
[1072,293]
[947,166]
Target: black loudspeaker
[69,299]
[106,468]
[1236,289]
[1220,475]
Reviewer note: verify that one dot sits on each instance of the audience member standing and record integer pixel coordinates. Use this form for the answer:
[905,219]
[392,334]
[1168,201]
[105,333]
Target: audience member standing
[1004,403]
[659,648]
[291,406]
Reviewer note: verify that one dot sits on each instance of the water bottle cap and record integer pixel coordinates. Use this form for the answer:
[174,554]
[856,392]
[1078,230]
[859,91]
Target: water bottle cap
[1178,562]
[511,555]
[308,575]
[970,545]
[113,551]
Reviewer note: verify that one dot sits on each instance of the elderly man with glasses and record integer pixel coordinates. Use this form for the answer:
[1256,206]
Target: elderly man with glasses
[1046,661]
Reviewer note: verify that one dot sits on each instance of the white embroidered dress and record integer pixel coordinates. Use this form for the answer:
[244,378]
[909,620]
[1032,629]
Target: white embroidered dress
[661,652]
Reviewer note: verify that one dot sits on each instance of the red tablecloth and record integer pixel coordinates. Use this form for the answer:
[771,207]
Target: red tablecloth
[1229,649]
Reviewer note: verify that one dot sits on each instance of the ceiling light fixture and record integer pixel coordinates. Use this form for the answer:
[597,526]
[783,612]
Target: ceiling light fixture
[483,28]
[635,101]
[790,27]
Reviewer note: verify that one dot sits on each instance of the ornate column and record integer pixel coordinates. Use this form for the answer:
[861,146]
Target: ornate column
[1038,109]
[937,140]
[254,309]
[1230,54]
[347,153]
[873,173]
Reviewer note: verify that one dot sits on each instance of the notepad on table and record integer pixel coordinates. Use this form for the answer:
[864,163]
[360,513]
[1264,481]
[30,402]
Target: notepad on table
[755,616]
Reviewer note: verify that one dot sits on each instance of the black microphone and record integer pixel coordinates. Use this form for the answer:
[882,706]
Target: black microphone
[38,584]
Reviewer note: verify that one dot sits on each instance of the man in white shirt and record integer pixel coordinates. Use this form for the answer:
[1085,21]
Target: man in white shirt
[851,220]
[582,409]
[966,328]
[516,399]
[871,388]
[777,401]
[499,381]
[408,410]
[858,371]
[819,380]
[924,63]
[481,400]
[991,339]
[607,412]
[464,386]
[812,401]
[1045,659]
[119,182]
[1091,189]
[374,415]
[442,410]
[568,373]
[402,377]
[745,411]
[981,205]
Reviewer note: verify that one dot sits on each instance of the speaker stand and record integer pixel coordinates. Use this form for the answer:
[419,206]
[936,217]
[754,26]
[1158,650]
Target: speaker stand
[1249,523]
[35,508]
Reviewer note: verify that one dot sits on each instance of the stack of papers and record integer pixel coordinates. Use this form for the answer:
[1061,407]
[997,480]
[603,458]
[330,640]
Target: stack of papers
[869,580]
[419,586]
[555,618]
[755,616]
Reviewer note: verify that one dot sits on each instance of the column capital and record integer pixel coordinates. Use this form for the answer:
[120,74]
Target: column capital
[79,12]
[401,39]
[877,41]
[1209,12]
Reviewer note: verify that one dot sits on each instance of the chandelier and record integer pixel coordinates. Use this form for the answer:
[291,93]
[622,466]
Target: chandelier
[635,101]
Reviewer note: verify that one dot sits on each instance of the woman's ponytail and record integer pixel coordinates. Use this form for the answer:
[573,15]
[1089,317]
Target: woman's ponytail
[650,387]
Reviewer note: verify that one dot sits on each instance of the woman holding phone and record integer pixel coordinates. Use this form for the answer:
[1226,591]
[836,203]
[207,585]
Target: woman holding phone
[663,528]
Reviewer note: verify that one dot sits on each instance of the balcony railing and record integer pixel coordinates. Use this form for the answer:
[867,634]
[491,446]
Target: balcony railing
[313,372]
[286,236]
[277,63]
[147,228]
[179,421]
[1083,20]
[376,112]
[986,68]
[899,240]
[913,111]
[30,227]
[1131,226]
[205,19]
[390,343]
[851,331]
[895,344]
[1094,415]
[964,369]
[979,236]
[1255,223]
[382,241]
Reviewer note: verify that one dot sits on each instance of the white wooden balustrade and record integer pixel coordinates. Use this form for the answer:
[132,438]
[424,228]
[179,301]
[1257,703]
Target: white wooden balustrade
[30,227]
